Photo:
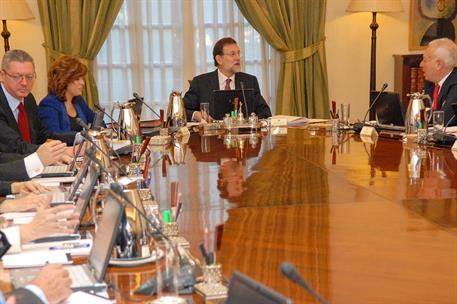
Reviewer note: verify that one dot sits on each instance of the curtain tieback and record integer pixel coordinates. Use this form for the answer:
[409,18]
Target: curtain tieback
[301,54]
[54,54]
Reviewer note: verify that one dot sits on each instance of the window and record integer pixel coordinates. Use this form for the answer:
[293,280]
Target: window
[155,47]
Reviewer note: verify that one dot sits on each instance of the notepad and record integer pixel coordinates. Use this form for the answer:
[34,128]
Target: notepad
[35,259]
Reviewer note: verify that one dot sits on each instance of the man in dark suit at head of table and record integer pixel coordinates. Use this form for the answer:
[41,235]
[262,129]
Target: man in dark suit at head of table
[227,76]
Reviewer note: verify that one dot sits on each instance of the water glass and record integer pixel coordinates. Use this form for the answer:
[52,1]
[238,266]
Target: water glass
[438,121]
[204,110]
[345,112]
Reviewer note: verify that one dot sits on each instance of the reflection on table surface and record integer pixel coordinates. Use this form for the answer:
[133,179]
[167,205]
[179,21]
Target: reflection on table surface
[363,223]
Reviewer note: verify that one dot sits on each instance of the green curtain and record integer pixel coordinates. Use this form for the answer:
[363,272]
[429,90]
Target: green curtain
[296,29]
[78,28]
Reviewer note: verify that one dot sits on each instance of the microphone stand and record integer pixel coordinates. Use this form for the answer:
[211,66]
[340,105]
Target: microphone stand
[359,125]
[140,99]
[290,272]
[244,97]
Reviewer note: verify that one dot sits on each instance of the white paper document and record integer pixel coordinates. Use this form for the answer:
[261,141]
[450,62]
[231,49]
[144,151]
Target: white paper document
[74,247]
[291,120]
[35,259]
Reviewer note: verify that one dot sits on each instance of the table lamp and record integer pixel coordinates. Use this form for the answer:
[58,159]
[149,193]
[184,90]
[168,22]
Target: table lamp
[13,10]
[374,6]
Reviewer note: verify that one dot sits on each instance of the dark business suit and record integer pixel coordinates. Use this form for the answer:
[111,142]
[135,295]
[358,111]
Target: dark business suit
[25,296]
[5,188]
[203,85]
[10,137]
[446,97]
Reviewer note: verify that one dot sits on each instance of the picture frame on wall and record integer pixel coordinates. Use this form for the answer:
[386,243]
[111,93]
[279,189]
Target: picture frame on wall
[431,19]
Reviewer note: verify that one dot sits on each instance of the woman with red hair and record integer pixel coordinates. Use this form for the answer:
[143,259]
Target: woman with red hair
[62,106]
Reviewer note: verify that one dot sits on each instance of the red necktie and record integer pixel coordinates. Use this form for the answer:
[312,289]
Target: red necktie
[435,97]
[227,84]
[23,123]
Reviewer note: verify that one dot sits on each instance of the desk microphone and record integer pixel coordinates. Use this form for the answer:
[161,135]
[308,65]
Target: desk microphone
[359,125]
[289,271]
[140,99]
[244,97]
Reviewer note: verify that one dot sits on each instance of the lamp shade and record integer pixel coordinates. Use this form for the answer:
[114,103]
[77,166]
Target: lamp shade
[378,6]
[15,10]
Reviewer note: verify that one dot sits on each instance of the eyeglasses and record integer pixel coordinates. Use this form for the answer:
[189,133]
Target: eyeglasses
[233,54]
[20,77]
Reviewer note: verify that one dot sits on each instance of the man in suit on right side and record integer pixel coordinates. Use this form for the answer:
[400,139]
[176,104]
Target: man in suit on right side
[439,65]
[227,76]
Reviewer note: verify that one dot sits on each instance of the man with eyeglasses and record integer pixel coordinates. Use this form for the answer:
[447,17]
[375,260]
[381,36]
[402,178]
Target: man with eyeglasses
[227,76]
[21,129]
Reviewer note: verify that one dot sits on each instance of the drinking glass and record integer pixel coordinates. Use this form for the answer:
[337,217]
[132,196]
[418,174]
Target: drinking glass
[438,121]
[204,110]
[345,112]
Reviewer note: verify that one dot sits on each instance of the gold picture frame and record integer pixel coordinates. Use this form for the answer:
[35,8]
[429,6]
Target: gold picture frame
[431,19]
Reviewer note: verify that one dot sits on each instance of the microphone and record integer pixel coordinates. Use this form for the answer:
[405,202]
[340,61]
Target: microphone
[81,122]
[98,120]
[140,99]
[359,125]
[87,137]
[244,98]
[290,272]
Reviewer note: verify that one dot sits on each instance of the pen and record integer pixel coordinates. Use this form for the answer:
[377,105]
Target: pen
[205,254]
[69,246]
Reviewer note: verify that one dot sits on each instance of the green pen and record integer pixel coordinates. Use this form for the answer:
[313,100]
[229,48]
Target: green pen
[166,216]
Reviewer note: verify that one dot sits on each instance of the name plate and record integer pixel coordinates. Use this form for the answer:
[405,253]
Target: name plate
[278,131]
[368,131]
[278,122]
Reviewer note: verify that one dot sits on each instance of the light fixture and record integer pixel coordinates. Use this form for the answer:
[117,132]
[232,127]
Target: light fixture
[374,6]
[13,10]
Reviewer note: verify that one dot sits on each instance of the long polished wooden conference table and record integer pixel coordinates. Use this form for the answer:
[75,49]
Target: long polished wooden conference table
[363,223]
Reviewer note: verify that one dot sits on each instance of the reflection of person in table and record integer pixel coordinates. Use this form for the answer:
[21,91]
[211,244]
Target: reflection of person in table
[231,177]
[442,12]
